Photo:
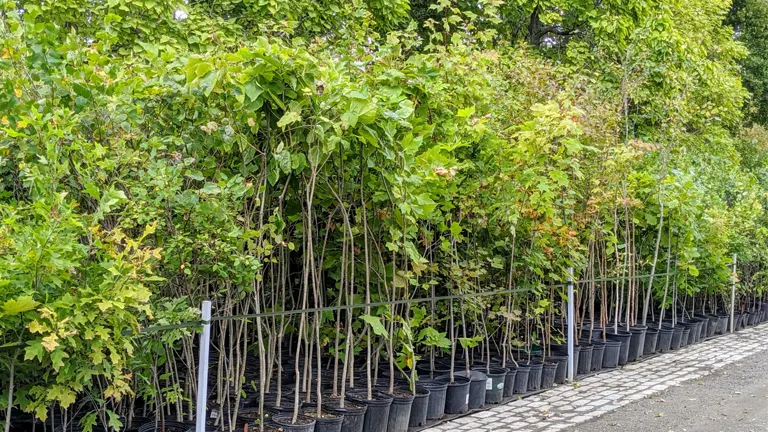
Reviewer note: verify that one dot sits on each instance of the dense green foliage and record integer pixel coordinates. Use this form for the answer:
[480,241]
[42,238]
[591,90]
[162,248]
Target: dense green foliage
[280,154]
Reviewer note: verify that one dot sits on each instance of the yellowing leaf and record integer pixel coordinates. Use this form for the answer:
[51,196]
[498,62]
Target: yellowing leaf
[17,92]
[20,305]
[50,343]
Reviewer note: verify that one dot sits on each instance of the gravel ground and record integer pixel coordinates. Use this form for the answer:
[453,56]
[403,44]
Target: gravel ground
[734,398]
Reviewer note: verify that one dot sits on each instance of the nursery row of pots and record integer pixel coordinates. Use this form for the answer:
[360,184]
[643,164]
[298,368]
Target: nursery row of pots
[490,382]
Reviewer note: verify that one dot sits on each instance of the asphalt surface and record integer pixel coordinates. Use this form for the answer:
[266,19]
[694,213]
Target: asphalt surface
[732,399]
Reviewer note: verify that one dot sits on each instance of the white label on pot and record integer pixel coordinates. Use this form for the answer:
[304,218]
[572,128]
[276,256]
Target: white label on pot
[214,414]
[489,384]
[467,399]
[500,385]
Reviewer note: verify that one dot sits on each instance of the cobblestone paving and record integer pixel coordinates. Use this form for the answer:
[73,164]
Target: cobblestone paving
[568,405]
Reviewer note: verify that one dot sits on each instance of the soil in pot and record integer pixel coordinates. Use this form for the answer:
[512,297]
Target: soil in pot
[664,339]
[494,385]
[400,410]
[623,337]
[521,379]
[636,342]
[420,406]
[651,340]
[611,354]
[548,372]
[436,401]
[353,412]
[457,394]
[303,423]
[585,359]
[377,414]
[327,421]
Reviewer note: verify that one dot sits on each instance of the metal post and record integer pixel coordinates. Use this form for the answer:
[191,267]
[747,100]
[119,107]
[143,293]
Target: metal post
[202,373]
[570,325]
[733,291]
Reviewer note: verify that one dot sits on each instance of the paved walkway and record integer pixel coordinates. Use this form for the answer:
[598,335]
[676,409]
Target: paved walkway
[569,405]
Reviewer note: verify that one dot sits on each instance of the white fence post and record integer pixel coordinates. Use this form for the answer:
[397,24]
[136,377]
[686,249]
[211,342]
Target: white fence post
[571,329]
[202,373]
[733,291]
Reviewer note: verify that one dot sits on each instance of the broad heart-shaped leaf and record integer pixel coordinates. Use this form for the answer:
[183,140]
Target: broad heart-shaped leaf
[288,118]
[19,305]
[470,342]
[376,325]
[284,161]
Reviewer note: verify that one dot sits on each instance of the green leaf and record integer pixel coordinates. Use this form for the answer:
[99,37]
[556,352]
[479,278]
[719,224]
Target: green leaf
[455,229]
[284,161]
[288,118]
[376,325]
[20,305]
[465,112]
[34,350]
[114,420]
[253,90]
[88,421]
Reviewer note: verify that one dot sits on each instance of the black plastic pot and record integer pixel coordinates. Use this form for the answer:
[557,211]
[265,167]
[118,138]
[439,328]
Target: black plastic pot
[436,401]
[636,342]
[521,379]
[576,352]
[548,372]
[693,328]
[722,323]
[697,330]
[713,324]
[400,410]
[664,341]
[562,367]
[353,412]
[596,333]
[651,339]
[611,353]
[623,337]
[325,424]
[534,376]
[377,414]
[420,407]
[494,385]
[509,381]
[477,389]
[677,337]
[598,352]
[304,423]
[585,359]
[457,394]
[704,327]
[685,336]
